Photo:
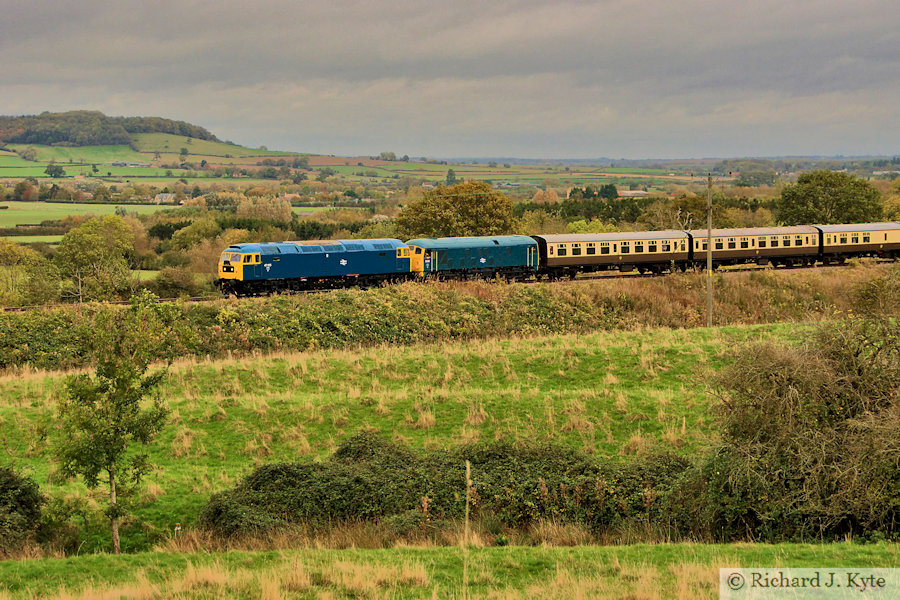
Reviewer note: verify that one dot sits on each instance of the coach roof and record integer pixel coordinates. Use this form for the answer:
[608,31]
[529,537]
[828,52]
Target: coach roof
[565,238]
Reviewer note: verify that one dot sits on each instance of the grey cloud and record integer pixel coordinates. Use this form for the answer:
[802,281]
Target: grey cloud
[511,77]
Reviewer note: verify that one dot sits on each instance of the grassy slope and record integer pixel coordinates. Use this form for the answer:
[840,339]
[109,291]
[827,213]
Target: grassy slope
[639,572]
[610,393]
[165,143]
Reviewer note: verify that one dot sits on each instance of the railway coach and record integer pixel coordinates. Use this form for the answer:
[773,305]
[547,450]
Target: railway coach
[566,255]
[789,246]
[839,242]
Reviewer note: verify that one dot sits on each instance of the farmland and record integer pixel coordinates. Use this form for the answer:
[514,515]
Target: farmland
[33,213]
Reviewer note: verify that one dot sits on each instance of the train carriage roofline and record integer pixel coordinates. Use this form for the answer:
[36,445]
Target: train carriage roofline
[858,227]
[615,236]
[757,231]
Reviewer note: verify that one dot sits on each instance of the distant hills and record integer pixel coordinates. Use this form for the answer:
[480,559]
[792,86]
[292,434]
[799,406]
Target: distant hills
[90,128]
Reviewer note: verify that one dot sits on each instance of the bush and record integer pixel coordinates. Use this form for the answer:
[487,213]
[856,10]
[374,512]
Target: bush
[369,478]
[811,440]
[20,509]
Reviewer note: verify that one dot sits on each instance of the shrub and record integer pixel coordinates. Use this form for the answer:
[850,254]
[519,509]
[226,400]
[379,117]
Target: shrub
[20,509]
[369,478]
[811,439]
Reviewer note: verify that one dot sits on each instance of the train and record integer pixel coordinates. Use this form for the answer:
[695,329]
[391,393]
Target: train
[265,268]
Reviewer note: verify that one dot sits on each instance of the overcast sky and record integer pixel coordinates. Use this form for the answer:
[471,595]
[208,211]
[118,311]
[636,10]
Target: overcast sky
[530,78]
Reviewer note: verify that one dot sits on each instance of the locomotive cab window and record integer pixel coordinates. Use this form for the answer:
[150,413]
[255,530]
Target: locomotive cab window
[247,258]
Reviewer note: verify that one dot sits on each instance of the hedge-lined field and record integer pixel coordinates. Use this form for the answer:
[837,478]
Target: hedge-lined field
[61,338]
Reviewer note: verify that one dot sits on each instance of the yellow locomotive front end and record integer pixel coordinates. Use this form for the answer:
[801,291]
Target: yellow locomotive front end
[230,266]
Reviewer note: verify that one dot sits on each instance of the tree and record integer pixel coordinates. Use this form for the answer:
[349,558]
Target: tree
[829,197]
[471,208]
[451,177]
[104,419]
[55,170]
[94,256]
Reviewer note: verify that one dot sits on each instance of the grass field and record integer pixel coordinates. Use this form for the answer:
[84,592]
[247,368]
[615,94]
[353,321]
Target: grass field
[612,394]
[165,143]
[82,154]
[637,572]
[33,213]
[29,239]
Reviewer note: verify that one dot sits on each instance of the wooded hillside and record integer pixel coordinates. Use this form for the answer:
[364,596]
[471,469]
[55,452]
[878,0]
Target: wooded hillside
[89,128]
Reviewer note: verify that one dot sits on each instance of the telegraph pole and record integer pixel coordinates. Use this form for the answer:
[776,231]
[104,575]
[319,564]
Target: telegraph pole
[709,247]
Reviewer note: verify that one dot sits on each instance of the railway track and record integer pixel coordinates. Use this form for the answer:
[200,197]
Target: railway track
[582,278]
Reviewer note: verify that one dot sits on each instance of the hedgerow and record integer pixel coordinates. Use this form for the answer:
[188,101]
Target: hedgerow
[61,338]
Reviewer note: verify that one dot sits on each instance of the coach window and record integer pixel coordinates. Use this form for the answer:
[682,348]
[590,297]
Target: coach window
[866,238]
[786,241]
[561,250]
[705,245]
[666,246]
[576,249]
[854,238]
[827,239]
[625,248]
[682,245]
[745,243]
[651,246]
[798,241]
[762,242]
[639,246]
[732,243]
[604,247]
[843,238]
[592,248]
[774,242]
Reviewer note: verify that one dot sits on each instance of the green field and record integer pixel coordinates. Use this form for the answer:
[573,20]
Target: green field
[637,572]
[82,154]
[612,394]
[29,239]
[165,143]
[33,213]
